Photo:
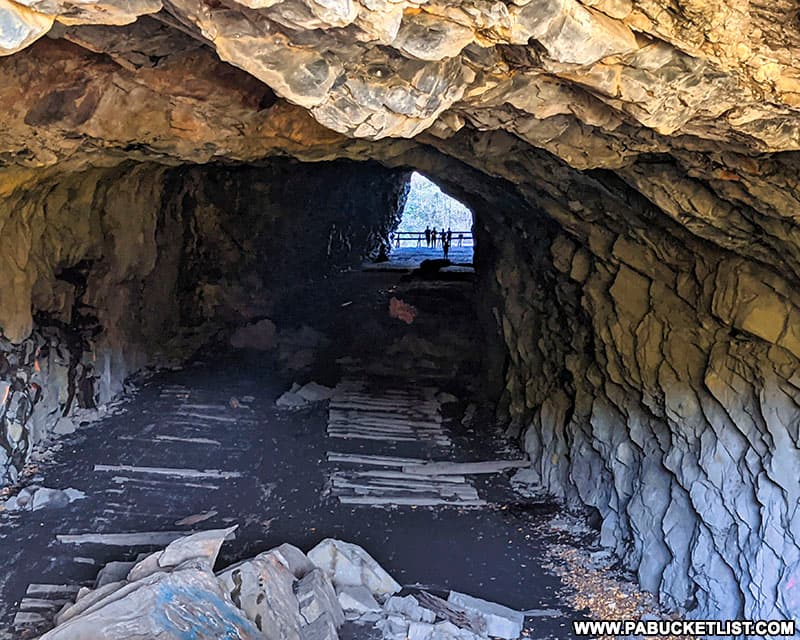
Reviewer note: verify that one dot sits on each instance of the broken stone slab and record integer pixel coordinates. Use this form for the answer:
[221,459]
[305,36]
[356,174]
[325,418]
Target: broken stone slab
[316,597]
[113,572]
[459,616]
[291,400]
[260,335]
[501,621]
[440,631]
[169,606]
[409,607]
[357,600]
[448,631]
[371,617]
[322,628]
[527,483]
[394,626]
[202,548]
[22,501]
[348,565]
[203,545]
[263,588]
[34,498]
[293,559]
[420,631]
[314,392]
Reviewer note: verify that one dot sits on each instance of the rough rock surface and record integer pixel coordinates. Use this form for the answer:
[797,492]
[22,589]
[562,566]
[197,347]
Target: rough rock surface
[660,390]
[632,165]
[92,294]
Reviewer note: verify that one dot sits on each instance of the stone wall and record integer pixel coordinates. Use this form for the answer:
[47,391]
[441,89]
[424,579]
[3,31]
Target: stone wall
[262,232]
[108,270]
[82,261]
[655,377]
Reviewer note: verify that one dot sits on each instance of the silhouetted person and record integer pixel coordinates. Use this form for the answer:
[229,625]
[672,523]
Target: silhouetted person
[397,241]
[433,238]
[445,245]
[428,236]
[460,239]
[449,235]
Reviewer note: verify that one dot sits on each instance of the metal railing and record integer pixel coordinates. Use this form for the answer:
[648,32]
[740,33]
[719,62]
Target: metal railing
[417,239]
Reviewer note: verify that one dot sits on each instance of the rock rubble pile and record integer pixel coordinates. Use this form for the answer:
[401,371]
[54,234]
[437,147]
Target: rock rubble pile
[281,594]
[33,498]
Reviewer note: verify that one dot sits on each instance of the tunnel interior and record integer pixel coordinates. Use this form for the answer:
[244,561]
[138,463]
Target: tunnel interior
[196,184]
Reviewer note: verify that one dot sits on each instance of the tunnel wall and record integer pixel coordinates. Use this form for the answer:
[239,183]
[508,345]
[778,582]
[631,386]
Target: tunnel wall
[654,378]
[110,270]
[262,232]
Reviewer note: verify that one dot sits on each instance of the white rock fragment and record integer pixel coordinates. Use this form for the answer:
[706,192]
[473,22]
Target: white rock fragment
[314,392]
[263,588]
[34,498]
[322,628]
[501,622]
[410,608]
[113,572]
[293,559]
[420,631]
[291,400]
[357,600]
[348,565]
[394,627]
[316,598]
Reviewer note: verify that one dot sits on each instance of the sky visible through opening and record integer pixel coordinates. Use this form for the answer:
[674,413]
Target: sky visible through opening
[428,206]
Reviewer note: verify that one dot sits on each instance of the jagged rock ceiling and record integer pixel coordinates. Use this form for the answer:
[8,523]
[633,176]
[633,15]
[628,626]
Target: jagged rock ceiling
[694,104]
[597,83]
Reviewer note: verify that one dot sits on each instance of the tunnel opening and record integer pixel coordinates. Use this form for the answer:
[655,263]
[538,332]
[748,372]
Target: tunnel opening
[432,219]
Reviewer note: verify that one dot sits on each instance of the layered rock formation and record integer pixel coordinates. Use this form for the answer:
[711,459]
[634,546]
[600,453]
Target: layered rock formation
[633,168]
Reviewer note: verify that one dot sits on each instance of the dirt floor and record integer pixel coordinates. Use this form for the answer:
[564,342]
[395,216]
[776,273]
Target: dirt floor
[265,469]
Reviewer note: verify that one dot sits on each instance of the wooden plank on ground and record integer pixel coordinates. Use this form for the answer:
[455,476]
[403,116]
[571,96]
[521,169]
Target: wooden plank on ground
[465,468]
[128,539]
[377,501]
[165,471]
[367,460]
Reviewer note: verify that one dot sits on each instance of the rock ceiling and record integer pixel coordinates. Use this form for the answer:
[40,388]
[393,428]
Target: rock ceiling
[596,83]
[695,104]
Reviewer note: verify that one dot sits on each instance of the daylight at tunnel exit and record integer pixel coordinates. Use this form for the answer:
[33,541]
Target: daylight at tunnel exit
[399,319]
